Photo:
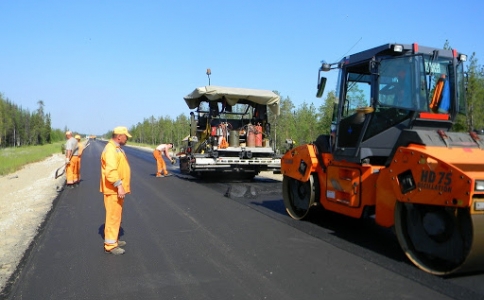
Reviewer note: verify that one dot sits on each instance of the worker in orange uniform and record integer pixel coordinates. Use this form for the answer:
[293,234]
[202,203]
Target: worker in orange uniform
[115,185]
[158,153]
[77,168]
[71,159]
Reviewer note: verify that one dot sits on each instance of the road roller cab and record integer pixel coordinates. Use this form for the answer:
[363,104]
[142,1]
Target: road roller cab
[391,154]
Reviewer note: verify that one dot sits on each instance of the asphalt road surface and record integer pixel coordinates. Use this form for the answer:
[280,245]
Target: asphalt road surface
[192,239]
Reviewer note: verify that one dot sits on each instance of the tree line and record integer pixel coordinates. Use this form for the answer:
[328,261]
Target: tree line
[20,127]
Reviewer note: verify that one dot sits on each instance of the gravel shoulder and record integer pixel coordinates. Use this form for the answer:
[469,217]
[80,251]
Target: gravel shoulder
[26,197]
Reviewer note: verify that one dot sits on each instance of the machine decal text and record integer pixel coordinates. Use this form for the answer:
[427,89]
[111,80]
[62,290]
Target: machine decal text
[438,181]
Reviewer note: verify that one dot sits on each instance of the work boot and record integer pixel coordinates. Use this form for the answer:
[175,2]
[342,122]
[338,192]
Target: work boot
[115,251]
[159,175]
[121,243]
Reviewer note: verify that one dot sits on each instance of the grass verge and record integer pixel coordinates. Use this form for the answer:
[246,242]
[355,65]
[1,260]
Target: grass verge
[13,159]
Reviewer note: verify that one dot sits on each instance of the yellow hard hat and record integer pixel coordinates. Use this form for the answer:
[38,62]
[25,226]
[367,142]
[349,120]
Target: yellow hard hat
[78,137]
[121,130]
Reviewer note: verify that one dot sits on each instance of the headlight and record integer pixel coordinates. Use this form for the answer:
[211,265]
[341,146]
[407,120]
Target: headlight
[479,187]
[398,48]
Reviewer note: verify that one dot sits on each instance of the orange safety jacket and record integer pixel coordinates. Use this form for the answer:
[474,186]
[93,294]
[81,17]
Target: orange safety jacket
[115,169]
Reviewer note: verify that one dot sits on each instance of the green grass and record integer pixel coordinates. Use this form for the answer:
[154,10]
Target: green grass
[13,159]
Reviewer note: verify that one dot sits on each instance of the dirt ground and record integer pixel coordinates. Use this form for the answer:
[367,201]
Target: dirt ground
[26,197]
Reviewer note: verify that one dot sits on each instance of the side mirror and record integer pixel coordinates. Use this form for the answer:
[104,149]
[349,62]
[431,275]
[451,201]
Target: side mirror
[321,85]
[373,66]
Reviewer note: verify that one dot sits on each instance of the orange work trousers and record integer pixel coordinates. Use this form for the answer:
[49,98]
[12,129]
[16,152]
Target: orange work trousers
[75,168]
[114,210]
[71,171]
[160,163]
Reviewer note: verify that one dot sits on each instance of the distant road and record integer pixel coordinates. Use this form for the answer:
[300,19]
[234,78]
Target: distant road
[188,239]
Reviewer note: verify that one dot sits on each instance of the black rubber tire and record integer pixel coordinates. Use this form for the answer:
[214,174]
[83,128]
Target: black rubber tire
[436,239]
[298,196]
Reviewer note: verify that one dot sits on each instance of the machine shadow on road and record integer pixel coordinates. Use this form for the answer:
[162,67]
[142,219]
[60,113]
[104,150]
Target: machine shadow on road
[360,232]
[265,196]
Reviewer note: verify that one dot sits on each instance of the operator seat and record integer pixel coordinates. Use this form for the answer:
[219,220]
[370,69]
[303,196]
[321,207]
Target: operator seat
[350,128]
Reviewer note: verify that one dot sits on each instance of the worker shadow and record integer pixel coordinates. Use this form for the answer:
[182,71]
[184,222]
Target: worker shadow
[101,231]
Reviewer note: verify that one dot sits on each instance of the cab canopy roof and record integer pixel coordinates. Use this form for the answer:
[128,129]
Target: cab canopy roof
[233,96]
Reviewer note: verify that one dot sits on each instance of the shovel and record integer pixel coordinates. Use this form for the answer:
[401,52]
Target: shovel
[60,171]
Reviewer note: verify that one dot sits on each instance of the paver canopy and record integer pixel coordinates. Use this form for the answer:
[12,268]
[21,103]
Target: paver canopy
[233,96]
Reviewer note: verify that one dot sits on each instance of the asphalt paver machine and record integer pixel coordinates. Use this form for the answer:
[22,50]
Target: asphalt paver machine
[230,133]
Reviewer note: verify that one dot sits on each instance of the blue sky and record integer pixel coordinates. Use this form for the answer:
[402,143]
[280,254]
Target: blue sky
[100,64]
